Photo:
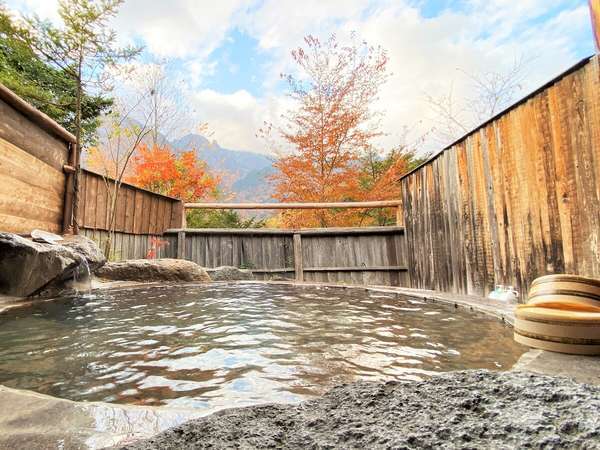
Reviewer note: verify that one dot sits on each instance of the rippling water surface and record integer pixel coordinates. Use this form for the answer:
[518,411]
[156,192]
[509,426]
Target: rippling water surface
[222,346]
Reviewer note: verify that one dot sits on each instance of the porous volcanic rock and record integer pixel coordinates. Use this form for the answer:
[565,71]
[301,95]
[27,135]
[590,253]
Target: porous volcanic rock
[26,266]
[165,269]
[229,273]
[468,409]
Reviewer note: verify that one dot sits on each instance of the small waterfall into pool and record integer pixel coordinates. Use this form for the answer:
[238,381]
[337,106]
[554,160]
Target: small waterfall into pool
[82,279]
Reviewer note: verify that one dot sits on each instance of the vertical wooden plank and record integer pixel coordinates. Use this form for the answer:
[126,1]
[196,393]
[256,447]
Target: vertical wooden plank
[166,224]
[91,197]
[181,245]
[178,215]
[160,216]
[146,211]
[101,204]
[153,226]
[298,267]
[138,217]
[128,226]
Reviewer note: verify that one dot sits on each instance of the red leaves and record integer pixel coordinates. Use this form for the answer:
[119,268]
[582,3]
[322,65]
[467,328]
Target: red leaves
[329,129]
[155,244]
[182,176]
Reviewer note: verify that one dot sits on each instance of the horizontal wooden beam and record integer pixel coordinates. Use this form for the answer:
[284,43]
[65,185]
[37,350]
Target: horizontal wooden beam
[357,269]
[374,204]
[283,232]
[282,270]
[333,269]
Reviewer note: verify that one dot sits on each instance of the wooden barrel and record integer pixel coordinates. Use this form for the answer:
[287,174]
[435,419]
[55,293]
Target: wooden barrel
[566,292]
[563,331]
[561,315]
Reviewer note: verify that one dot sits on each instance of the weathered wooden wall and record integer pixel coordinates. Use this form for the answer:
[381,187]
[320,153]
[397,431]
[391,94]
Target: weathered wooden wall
[129,245]
[515,199]
[138,211]
[346,255]
[32,181]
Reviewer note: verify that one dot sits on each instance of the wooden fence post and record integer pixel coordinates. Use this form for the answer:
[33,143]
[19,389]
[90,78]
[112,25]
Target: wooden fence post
[298,268]
[181,244]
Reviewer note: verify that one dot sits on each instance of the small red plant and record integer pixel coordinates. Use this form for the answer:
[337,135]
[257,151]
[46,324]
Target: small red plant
[155,245]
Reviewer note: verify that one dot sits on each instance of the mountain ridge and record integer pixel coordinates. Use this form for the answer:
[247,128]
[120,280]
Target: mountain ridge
[249,170]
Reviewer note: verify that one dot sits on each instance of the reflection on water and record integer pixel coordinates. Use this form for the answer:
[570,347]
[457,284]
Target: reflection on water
[222,346]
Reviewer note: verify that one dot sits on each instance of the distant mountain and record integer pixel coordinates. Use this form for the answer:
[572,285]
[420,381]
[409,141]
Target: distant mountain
[246,170]
[237,162]
[254,186]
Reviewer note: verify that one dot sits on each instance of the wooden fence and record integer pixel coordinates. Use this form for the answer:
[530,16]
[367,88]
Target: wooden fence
[138,211]
[33,153]
[128,245]
[517,198]
[141,215]
[373,255]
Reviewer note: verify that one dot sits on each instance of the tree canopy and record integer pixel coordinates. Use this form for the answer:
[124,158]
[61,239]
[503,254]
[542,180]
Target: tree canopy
[48,88]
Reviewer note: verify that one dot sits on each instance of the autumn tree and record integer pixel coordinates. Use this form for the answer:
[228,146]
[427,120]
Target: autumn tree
[331,124]
[119,139]
[81,48]
[183,176]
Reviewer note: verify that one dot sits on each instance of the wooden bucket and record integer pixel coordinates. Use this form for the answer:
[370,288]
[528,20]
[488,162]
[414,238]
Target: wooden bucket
[561,315]
[563,331]
[565,292]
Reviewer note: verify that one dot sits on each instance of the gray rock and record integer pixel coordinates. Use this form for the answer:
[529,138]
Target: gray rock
[26,266]
[229,273]
[164,269]
[469,409]
[87,248]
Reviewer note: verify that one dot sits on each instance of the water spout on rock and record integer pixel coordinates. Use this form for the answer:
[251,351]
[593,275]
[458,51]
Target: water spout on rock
[82,279]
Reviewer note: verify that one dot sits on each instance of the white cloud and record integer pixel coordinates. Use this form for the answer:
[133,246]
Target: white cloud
[425,52]
[45,9]
[235,118]
[179,28]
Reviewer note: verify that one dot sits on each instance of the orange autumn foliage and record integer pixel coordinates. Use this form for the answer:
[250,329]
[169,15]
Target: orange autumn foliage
[329,129]
[183,176]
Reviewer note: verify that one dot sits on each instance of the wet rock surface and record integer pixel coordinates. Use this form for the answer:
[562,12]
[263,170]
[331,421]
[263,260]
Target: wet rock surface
[29,268]
[164,269]
[87,248]
[469,409]
[32,421]
[229,273]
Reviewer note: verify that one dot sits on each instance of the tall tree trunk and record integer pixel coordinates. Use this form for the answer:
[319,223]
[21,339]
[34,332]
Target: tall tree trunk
[78,98]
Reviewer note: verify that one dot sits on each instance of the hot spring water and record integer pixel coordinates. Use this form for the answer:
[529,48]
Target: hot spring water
[217,346]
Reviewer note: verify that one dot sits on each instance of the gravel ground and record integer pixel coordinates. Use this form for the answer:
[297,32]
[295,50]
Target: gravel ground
[470,409]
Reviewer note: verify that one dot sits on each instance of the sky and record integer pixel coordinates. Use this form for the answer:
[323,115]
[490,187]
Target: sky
[229,54]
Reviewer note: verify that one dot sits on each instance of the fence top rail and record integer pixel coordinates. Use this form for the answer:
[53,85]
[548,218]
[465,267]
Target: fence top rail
[373,204]
[302,231]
